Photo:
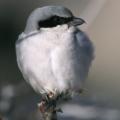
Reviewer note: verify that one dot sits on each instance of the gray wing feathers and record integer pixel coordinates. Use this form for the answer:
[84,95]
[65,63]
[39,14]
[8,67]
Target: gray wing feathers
[86,45]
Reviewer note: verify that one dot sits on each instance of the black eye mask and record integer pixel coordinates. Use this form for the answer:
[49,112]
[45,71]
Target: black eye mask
[54,21]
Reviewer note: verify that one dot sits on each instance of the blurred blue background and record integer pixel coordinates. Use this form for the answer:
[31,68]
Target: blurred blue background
[101,101]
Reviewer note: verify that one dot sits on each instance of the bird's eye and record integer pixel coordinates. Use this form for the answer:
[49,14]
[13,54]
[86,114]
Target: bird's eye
[56,19]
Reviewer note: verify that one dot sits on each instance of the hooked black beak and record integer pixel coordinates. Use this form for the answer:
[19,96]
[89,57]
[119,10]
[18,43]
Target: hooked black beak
[77,21]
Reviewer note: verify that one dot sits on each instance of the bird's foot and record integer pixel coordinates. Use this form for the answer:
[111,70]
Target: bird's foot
[42,106]
[47,106]
[48,103]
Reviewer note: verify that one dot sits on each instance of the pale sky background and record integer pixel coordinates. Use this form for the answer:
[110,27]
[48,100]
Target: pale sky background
[105,33]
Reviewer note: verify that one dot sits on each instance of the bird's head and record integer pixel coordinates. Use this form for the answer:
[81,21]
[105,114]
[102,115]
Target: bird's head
[51,16]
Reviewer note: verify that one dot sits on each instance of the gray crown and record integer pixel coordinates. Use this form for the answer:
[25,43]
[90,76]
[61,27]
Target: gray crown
[43,13]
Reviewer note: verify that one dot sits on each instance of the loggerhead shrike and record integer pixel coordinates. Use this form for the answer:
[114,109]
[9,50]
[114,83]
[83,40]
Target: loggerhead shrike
[53,55]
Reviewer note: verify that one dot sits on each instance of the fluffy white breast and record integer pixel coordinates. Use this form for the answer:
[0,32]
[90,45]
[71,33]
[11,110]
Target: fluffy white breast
[52,60]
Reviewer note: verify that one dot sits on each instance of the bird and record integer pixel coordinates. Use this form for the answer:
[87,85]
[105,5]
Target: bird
[53,54]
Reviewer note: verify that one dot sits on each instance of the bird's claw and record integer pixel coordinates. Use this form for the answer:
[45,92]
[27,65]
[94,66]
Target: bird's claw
[48,103]
[41,106]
